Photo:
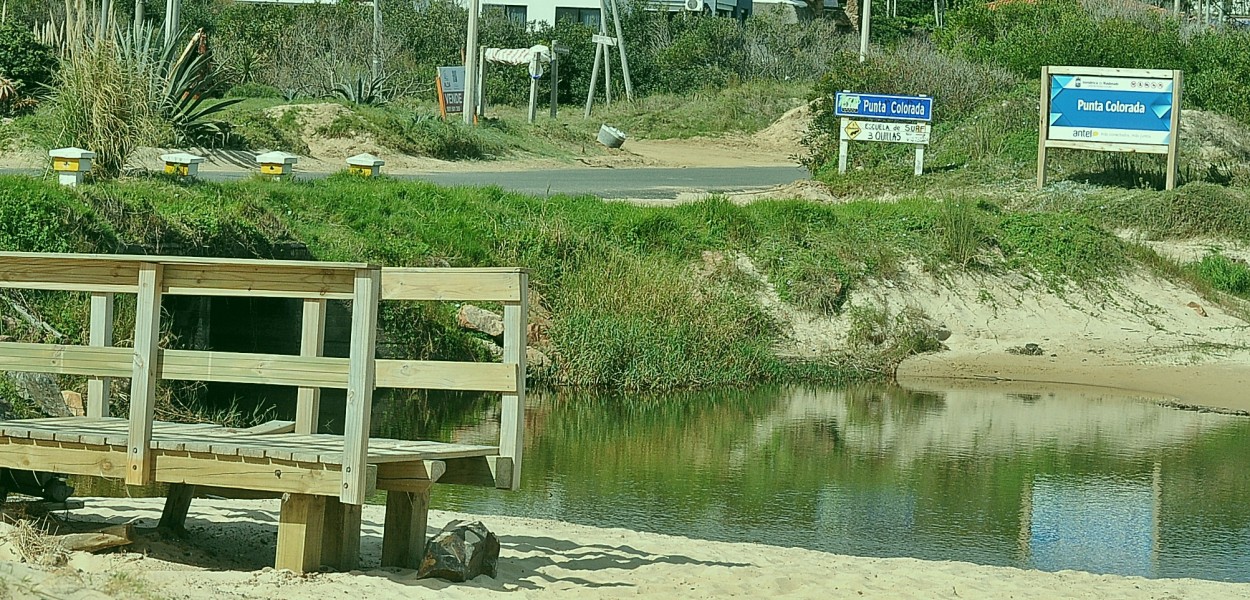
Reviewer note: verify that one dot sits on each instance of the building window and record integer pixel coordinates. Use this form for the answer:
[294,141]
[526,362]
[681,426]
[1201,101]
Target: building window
[586,16]
[514,12]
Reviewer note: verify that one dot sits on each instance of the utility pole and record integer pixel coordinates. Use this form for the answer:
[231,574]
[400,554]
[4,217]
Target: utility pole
[863,31]
[138,17]
[377,39]
[470,65]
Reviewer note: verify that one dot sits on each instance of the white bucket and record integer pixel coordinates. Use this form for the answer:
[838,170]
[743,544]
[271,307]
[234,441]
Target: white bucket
[611,136]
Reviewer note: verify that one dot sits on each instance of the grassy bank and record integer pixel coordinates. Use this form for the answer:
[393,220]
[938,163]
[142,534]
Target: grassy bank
[642,297]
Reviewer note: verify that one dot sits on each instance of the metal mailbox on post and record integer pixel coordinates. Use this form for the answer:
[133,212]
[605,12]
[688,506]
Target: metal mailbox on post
[883,118]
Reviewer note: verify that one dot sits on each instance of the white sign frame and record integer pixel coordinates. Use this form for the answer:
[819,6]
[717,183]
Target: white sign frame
[1171,148]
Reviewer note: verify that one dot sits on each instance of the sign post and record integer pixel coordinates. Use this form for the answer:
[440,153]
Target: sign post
[908,122]
[1111,110]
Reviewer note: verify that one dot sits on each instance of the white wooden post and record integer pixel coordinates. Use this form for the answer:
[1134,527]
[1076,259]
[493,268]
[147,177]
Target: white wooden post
[620,44]
[143,378]
[360,380]
[471,65]
[919,160]
[863,30]
[101,335]
[844,148]
[312,343]
[512,417]
[594,79]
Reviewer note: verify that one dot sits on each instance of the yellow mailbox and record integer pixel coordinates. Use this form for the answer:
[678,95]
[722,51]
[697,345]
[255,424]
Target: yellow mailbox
[182,164]
[71,164]
[365,165]
[276,164]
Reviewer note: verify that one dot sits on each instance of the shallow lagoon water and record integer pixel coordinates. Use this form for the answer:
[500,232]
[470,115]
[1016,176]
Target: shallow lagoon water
[1051,480]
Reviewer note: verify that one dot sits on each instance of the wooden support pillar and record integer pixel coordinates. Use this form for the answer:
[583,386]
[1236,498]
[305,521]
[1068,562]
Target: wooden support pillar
[403,535]
[177,503]
[512,418]
[360,379]
[143,378]
[101,335]
[1043,129]
[312,343]
[300,532]
[340,541]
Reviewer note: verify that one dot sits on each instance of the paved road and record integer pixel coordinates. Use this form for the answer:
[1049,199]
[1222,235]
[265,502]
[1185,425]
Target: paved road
[646,183]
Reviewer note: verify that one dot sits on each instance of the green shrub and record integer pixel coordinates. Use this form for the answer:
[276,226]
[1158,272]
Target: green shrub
[1223,273]
[1062,247]
[25,64]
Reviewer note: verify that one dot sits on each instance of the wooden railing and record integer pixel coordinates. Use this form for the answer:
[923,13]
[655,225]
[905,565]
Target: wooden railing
[150,278]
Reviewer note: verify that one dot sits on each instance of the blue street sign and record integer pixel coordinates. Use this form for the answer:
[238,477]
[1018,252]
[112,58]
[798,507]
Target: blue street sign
[1124,110]
[878,106]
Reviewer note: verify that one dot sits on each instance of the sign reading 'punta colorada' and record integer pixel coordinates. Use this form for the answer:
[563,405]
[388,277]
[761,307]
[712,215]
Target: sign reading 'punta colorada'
[1110,110]
[1125,110]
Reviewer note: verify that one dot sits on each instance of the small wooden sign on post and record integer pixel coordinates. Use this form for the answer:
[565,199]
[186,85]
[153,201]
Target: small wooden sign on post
[908,123]
[450,85]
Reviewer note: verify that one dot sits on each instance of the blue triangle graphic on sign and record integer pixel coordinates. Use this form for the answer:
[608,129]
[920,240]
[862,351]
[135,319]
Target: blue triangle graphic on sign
[1055,118]
[1162,107]
[1062,81]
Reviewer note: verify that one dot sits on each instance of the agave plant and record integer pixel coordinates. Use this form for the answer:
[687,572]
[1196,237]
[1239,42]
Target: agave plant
[372,91]
[180,85]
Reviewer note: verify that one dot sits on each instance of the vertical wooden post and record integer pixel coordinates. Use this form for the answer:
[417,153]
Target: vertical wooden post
[300,532]
[1043,131]
[844,148]
[143,378]
[360,379]
[403,538]
[620,44]
[607,76]
[101,335]
[512,418]
[1174,140]
[919,160]
[340,537]
[177,503]
[471,65]
[479,103]
[377,39]
[533,111]
[555,77]
[312,343]
[594,80]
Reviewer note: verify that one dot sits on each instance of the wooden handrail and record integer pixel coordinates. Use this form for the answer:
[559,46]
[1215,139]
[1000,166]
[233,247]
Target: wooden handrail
[151,277]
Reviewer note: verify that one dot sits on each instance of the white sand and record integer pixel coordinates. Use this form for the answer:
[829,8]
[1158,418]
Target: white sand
[232,541]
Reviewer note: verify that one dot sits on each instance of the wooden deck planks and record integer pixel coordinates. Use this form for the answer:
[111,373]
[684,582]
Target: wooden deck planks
[207,438]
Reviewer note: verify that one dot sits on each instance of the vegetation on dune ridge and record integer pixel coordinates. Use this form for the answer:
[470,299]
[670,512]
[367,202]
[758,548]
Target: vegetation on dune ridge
[642,297]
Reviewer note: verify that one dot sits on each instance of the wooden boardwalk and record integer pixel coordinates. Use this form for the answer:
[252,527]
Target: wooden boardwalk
[323,478]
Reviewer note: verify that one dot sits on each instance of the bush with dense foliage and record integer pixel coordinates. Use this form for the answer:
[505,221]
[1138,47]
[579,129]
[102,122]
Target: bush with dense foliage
[25,67]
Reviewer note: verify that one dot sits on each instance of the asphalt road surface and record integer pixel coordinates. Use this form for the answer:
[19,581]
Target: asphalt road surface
[645,183]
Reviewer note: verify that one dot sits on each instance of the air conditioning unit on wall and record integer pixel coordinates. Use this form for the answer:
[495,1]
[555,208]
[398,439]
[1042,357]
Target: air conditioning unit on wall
[694,5]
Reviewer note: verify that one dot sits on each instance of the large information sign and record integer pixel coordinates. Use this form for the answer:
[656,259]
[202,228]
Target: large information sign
[1117,110]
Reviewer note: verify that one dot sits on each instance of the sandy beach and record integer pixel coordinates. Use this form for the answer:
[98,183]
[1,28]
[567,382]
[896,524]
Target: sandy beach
[232,542]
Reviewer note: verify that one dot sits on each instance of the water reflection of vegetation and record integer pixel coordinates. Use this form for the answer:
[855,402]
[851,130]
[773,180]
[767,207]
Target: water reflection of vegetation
[874,470]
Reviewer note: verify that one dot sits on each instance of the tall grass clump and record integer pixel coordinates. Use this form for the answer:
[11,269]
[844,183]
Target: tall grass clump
[1224,274]
[647,324]
[102,103]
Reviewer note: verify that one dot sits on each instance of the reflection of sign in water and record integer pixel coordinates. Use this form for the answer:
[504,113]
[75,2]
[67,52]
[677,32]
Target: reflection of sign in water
[1122,110]
[881,106]
[451,89]
[879,131]
[1096,524]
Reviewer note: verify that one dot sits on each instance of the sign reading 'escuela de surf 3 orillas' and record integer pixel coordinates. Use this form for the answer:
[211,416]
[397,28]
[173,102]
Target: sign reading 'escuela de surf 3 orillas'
[1114,110]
